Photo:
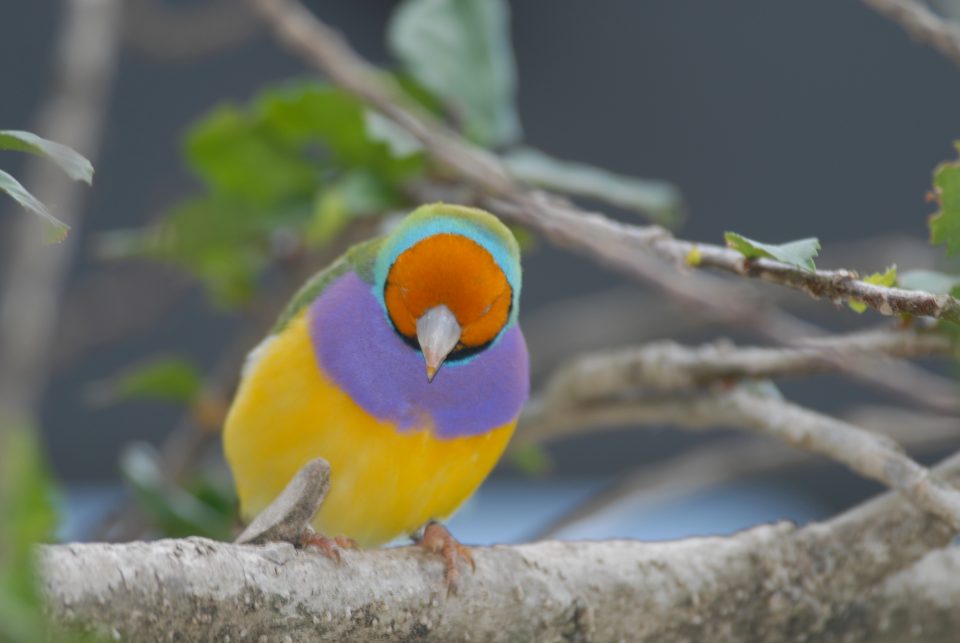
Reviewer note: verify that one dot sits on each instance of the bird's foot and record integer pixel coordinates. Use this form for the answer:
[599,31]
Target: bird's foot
[330,547]
[436,539]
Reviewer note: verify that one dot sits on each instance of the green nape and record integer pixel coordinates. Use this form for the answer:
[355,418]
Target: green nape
[359,258]
[480,218]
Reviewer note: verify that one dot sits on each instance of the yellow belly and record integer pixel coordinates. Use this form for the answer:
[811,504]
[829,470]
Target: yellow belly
[385,483]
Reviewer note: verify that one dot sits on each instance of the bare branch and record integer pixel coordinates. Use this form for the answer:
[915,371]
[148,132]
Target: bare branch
[696,589]
[636,249]
[870,455]
[922,24]
[715,463]
[669,366]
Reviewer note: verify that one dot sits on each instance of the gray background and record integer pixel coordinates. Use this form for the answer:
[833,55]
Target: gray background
[777,119]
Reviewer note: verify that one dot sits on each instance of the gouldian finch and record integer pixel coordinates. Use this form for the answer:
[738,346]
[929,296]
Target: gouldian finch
[402,365]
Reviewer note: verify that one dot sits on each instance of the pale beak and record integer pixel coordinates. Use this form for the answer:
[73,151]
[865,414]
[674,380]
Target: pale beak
[438,333]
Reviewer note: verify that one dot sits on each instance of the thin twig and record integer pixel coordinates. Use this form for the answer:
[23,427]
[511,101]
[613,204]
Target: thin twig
[872,456]
[666,366]
[631,247]
[634,250]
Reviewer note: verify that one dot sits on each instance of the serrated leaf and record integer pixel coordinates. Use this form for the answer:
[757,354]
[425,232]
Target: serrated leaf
[460,49]
[798,253]
[164,379]
[56,229]
[938,283]
[658,200]
[70,161]
[945,224]
[887,278]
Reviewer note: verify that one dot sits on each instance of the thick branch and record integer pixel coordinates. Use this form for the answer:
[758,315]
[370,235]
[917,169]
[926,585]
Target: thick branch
[633,248]
[923,24]
[768,583]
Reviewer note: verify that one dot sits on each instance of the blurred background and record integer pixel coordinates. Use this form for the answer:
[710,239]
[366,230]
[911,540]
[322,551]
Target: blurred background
[776,119]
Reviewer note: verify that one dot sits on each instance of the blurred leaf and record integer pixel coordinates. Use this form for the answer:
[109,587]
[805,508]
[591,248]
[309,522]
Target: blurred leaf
[532,460]
[330,217]
[224,241]
[175,512]
[164,379]
[238,155]
[945,224]
[526,240]
[658,200]
[56,229]
[357,194]
[887,278]
[307,115]
[460,49]
[73,163]
[795,253]
[28,517]
[938,283]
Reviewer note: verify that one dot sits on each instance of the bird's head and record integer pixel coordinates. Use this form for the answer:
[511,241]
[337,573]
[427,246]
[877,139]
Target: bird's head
[449,280]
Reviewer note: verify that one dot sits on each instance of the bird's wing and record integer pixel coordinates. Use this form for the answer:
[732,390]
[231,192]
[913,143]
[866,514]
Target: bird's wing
[359,259]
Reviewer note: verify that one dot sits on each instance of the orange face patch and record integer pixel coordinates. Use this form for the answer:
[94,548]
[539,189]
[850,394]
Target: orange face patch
[453,270]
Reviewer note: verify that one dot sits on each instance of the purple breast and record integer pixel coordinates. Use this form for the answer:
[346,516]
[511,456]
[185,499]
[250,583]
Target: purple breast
[357,347]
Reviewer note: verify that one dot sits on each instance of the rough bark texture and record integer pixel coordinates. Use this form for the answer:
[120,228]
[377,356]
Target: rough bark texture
[770,583]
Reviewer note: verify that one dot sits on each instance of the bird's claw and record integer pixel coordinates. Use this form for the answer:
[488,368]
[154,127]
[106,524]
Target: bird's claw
[329,546]
[436,539]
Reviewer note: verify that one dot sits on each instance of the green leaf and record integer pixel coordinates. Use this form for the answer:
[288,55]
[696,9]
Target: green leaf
[658,200]
[945,224]
[73,163]
[164,379]
[938,283]
[56,229]
[173,510]
[532,460]
[460,49]
[28,517]
[239,156]
[887,278]
[795,253]
[311,117]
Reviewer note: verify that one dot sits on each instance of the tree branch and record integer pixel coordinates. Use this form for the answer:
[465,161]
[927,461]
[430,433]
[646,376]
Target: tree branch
[767,583]
[922,24]
[637,249]
[597,391]
[669,366]
[716,463]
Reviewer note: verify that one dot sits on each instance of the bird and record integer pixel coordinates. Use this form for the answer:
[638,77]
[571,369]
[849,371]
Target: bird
[403,365]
